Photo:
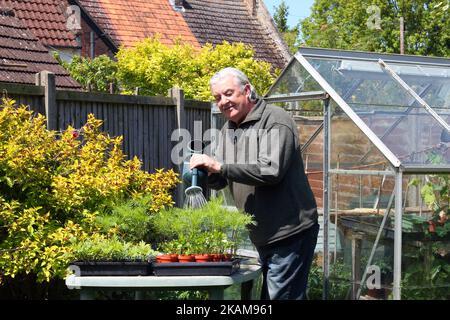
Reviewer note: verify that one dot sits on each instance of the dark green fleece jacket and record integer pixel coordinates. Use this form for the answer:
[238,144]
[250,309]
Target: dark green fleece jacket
[262,164]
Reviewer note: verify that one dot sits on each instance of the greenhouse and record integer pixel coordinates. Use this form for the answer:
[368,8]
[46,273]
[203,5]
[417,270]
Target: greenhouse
[383,137]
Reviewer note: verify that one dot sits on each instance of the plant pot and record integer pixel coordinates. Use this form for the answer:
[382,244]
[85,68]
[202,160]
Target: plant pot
[217,257]
[112,268]
[167,258]
[186,258]
[376,293]
[202,257]
[227,257]
[224,268]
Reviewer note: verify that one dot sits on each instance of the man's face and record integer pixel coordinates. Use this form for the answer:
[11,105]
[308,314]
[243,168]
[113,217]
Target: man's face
[231,100]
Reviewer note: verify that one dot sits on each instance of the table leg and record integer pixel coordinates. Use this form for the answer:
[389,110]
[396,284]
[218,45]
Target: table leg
[246,290]
[138,295]
[356,263]
[216,293]
[86,294]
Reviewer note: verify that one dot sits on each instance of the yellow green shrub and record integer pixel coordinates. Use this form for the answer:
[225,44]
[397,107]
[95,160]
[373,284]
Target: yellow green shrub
[53,184]
[155,67]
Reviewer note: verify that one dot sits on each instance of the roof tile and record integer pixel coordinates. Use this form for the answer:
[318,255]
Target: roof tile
[203,21]
[129,21]
[41,16]
[22,56]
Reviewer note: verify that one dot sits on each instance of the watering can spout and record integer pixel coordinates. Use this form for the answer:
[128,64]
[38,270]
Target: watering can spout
[194,178]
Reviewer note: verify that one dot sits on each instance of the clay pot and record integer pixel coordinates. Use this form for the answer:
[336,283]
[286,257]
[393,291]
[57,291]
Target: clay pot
[227,257]
[202,257]
[166,258]
[217,257]
[186,258]
[431,227]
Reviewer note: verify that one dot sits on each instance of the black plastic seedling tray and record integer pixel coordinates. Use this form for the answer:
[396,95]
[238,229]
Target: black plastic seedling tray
[112,268]
[224,268]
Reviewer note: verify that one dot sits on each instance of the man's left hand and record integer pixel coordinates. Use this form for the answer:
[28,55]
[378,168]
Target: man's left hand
[205,162]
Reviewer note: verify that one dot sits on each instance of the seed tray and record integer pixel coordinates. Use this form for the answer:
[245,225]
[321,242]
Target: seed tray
[223,268]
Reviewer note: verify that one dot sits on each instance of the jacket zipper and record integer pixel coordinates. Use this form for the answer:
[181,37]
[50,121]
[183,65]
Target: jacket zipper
[234,145]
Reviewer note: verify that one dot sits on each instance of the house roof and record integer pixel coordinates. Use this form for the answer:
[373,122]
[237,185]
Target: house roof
[129,21]
[22,55]
[200,22]
[46,19]
[213,21]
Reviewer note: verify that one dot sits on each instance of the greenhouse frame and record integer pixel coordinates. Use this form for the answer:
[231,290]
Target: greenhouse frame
[386,132]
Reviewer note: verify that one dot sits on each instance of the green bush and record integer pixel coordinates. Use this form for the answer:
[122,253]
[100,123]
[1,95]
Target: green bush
[101,248]
[155,67]
[93,74]
[53,186]
[210,229]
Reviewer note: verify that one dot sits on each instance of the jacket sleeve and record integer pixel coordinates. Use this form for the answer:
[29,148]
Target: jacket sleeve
[217,181]
[276,149]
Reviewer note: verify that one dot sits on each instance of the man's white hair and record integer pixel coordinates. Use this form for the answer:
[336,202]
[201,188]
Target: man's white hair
[242,80]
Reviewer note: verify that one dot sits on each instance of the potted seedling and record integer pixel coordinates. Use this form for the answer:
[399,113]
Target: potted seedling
[212,229]
[112,256]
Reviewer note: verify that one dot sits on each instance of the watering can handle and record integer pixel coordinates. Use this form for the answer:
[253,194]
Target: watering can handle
[194,176]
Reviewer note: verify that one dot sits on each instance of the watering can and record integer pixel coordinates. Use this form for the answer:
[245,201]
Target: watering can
[194,179]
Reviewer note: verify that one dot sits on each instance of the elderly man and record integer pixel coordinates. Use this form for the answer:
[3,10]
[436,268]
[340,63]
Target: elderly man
[258,157]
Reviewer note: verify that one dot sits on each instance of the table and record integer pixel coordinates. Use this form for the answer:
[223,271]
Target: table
[215,285]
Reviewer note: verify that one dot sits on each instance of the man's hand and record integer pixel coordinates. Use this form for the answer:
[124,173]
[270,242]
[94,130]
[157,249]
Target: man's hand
[205,162]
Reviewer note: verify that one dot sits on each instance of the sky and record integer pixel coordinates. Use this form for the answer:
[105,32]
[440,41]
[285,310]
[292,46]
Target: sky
[298,9]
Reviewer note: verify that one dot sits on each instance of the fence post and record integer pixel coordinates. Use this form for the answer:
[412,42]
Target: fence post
[46,79]
[178,95]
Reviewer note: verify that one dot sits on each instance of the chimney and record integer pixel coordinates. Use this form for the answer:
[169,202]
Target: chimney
[252,6]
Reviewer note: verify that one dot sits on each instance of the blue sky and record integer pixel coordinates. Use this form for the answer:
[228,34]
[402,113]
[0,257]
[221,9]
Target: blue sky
[298,9]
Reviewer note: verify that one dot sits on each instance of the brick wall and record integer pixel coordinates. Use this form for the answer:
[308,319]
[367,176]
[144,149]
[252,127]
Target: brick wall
[349,144]
[100,46]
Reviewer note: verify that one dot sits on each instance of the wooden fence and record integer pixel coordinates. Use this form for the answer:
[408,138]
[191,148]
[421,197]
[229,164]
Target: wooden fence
[146,123]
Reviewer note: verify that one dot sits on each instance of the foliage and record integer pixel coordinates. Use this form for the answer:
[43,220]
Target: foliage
[353,25]
[290,35]
[280,16]
[436,195]
[129,219]
[426,273]
[101,248]
[210,229]
[155,67]
[339,281]
[93,74]
[53,185]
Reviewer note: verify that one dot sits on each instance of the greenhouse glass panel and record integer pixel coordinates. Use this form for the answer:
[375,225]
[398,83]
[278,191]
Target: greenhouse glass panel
[361,267]
[295,79]
[405,127]
[432,82]
[351,149]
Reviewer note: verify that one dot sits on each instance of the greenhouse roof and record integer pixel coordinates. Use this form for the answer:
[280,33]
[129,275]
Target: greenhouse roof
[400,102]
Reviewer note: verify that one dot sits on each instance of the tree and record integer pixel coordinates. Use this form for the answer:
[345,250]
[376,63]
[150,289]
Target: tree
[93,74]
[374,26]
[290,35]
[53,186]
[280,17]
[155,67]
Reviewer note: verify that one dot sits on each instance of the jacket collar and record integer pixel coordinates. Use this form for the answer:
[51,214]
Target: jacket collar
[254,115]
